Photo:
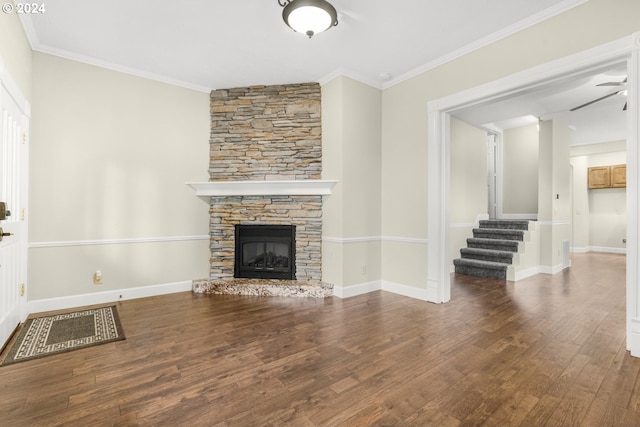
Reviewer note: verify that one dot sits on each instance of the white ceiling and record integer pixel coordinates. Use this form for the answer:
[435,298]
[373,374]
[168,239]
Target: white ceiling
[602,121]
[215,44]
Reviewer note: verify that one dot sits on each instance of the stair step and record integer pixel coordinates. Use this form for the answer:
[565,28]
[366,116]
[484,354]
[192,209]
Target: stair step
[499,233]
[495,244]
[510,224]
[492,249]
[479,268]
[487,255]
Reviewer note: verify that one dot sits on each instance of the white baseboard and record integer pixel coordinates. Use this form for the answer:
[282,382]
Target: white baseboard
[364,288]
[523,274]
[61,303]
[407,291]
[604,249]
[607,250]
[355,290]
[552,269]
[633,336]
[524,217]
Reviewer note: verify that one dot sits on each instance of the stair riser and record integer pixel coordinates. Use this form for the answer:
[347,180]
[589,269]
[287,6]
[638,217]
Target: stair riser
[504,259]
[482,272]
[505,225]
[494,246]
[481,234]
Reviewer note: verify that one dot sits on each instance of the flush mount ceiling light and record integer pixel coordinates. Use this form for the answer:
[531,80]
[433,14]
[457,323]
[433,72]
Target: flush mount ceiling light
[309,16]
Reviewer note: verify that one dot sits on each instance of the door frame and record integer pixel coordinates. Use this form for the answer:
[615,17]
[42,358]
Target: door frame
[494,165]
[623,50]
[13,90]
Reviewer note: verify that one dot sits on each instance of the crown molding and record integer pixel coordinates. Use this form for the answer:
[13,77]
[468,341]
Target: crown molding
[34,41]
[342,72]
[478,44]
[29,29]
[119,68]
[487,40]
[550,12]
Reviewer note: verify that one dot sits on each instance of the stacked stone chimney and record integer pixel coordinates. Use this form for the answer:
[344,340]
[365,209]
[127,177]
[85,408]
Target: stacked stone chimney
[266,133]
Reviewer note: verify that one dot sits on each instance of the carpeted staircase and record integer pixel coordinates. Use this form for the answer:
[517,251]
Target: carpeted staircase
[491,250]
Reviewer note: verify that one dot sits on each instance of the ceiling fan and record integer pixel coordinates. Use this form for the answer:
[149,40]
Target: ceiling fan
[623,89]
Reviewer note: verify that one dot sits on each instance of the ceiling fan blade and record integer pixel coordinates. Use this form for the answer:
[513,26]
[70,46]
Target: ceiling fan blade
[596,100]
[622,83]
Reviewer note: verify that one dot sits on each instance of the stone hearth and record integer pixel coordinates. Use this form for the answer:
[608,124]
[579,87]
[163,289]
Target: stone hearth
[265,169]
[262,287]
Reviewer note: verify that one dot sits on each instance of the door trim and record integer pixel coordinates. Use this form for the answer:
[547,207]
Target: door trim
[13,91]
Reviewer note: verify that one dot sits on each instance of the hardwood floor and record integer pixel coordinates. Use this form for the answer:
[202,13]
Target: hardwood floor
[548,350]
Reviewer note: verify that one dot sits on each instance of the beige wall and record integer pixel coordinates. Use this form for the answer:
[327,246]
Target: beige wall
[110,155]
[520,170]
[468,185]
[599,216]
[404,120]
[332,168]
[15,51]
[608,219]
[351,154]
[580,221]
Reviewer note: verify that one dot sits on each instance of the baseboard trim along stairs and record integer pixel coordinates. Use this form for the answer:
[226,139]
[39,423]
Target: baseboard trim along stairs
[496,249]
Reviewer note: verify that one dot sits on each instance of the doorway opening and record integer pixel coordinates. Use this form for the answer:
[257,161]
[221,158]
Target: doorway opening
[625,50]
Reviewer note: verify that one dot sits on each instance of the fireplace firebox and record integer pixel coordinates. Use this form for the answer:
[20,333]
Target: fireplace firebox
[265,251]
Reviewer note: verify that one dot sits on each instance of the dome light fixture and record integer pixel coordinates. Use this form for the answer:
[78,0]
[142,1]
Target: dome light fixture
[309,16]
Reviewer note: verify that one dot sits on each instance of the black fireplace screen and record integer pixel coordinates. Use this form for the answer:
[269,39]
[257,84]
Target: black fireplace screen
[265,251]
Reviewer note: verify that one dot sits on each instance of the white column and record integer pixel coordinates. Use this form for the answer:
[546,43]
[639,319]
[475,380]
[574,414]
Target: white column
[633,198]
[438,282]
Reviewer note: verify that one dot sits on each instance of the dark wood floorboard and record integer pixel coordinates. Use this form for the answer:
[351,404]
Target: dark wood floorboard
[545,351]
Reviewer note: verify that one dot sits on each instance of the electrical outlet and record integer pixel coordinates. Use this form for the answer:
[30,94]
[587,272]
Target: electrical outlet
[97,277]
[22,289]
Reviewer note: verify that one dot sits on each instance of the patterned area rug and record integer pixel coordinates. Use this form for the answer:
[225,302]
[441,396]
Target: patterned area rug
[42,336]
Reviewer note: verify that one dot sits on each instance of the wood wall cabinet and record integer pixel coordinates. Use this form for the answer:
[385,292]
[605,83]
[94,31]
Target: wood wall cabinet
[599,177]
[619,176]
[607,176]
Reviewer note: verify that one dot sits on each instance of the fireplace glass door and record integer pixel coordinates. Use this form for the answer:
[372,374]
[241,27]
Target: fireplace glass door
[265,251]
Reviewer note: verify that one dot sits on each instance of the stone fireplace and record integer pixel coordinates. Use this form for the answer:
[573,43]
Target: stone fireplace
[265,169]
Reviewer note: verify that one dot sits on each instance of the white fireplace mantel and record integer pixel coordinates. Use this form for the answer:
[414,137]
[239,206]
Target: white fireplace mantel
[302,187]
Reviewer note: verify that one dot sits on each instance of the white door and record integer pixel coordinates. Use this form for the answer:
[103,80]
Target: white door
[14,125]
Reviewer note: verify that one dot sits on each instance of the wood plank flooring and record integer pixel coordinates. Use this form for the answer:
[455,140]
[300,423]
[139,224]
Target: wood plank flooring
[545,351]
